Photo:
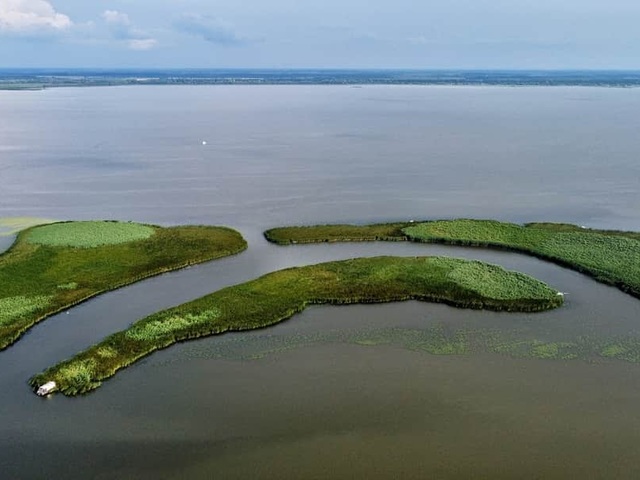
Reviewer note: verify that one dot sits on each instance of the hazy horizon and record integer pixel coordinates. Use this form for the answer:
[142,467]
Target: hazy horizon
[459,34]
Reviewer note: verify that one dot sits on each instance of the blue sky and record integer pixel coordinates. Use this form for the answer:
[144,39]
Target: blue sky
[548,34]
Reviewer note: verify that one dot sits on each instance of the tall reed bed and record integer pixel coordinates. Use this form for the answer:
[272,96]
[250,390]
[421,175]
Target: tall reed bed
[609,256]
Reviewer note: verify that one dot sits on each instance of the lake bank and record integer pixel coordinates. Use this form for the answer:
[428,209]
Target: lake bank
[610,256]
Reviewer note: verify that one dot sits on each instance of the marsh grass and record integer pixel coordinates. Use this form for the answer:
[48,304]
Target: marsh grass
[277,296]
[337,233]
[88,234]
[609,256]
[37,280]
[12,309]
[162,327]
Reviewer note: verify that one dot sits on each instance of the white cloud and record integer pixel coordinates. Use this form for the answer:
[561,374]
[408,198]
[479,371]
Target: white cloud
[115,17]
[123,29]
[210,29]
[142,44]
[31,17]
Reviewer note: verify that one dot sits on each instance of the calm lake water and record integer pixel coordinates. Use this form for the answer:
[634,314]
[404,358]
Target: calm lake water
[314,397]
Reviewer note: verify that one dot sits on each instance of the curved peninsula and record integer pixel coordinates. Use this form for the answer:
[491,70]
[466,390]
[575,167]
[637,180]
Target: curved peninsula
[53,267]
[279,295]
[609,256]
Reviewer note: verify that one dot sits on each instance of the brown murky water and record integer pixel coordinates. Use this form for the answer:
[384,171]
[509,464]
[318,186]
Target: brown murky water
[309,398]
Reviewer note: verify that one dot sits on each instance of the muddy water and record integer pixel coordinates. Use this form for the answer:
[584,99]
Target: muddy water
[308,398]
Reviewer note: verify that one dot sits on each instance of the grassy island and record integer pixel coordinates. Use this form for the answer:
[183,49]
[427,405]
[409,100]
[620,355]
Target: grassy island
[53,267]
[277,296]
[388,232]
[609,256]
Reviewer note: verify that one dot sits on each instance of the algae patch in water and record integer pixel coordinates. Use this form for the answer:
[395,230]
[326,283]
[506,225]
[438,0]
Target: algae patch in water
[438,339]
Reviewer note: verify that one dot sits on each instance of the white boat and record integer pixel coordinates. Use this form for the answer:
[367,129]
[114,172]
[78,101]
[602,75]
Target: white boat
[46,389]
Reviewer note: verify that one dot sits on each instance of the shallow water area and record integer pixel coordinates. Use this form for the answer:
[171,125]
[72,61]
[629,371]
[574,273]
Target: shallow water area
[334,392]
[6,241]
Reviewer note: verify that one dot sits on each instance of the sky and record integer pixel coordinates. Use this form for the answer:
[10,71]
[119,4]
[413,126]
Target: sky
[415,34]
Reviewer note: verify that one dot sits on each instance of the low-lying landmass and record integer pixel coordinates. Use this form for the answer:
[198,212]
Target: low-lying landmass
[338,233]
[39,78]
[609,256]
[52,267]
[278,296]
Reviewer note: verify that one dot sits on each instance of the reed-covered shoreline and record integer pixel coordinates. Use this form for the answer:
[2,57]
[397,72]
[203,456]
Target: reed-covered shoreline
[611,257]
[54,267]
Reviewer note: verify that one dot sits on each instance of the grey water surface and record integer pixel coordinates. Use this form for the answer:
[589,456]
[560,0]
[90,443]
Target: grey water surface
[287,406]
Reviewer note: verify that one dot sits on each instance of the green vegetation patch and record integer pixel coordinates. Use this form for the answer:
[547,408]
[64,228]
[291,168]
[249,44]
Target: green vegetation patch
[609,257]
[627,349]
[279,295]
[157,329]
[434,339]
[15,308]
[487,280]
[40,279]
[337,233]
[89,234]
[540,349]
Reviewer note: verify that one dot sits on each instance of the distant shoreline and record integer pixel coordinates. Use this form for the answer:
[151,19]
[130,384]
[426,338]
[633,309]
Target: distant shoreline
[38,79]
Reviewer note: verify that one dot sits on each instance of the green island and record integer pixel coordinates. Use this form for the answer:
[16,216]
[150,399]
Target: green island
[388,232]
[52,267]
[277,296]
[609,256]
